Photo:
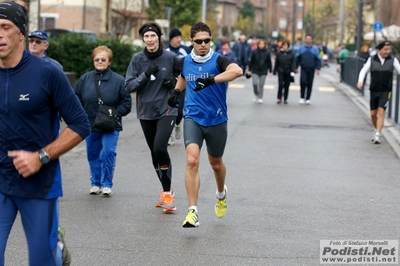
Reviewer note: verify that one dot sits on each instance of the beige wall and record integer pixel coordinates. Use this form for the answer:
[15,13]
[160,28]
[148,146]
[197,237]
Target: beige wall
[72,17]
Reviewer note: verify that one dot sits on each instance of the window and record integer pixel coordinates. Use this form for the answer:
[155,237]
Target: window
[282,23]
[48,20]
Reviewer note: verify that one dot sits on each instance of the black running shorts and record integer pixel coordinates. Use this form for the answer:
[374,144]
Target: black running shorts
[379,99]
[215,136]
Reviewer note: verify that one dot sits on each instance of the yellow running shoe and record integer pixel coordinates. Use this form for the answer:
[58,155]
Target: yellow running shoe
[221,205]
[191,220]
[66,253]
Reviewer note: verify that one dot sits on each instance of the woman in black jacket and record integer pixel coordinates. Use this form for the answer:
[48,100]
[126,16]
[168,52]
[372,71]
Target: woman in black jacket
[259,66]
[285,65]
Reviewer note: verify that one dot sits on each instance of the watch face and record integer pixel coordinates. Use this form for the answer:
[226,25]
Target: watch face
[44,157]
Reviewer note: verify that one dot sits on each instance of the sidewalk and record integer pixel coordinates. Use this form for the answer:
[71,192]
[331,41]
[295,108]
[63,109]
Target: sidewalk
[391,130]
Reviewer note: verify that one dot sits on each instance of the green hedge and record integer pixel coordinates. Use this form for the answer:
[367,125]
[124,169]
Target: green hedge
[74,51]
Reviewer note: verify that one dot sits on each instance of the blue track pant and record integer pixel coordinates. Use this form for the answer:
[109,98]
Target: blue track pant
[40,222]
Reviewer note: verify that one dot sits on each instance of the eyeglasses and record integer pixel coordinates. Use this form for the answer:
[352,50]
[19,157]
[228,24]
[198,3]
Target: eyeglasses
[200,41]
[36,41]
[100,59]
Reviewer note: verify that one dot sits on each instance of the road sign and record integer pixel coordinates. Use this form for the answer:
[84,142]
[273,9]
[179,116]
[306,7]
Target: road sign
[378,26]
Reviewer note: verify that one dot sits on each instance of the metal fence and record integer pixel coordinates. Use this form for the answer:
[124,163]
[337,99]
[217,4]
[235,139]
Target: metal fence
[352,68]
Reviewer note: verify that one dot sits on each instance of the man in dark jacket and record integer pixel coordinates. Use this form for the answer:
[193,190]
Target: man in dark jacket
[242,50]
[381,66]
[175,46]
[310,61]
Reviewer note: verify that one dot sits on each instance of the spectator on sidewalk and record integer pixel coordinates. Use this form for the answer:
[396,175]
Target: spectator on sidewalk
[175,45]
[38,44]
[33,93]
[381,66]
[259,67]
[309,60]
[242,51]
[205,75]
[364,53]
[335,55]
[342,56]
[151,74]
[285,66]
[226,50]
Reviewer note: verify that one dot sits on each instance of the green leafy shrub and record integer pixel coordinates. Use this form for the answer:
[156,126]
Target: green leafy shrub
[74,52]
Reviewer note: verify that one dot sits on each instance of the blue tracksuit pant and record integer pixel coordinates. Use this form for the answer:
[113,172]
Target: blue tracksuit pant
[101,154]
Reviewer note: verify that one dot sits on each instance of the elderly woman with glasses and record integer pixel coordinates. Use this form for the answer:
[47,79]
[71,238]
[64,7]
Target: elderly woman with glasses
[101,145]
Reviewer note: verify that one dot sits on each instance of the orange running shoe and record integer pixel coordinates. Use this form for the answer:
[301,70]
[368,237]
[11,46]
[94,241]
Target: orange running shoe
[161,201]
[169,205]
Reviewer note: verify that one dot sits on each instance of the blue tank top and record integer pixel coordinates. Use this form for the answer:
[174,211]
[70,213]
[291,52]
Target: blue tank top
[206,107]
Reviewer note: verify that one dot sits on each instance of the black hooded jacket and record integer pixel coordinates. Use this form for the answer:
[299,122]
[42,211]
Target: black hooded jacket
[285,62]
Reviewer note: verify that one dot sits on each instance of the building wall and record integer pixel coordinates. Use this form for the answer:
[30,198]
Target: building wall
[227,13]
[72,17]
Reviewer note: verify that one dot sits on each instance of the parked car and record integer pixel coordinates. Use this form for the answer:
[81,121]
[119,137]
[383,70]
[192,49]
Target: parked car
[54,33]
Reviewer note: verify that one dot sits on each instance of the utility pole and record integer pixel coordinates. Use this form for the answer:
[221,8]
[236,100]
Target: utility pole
[84,15]
[294,24]
[313,19]
[203,14]
[341,21]
[360,24]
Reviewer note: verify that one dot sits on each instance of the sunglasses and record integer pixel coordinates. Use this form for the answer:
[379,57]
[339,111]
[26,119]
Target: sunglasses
[36,41]
[100,59]
[199,41]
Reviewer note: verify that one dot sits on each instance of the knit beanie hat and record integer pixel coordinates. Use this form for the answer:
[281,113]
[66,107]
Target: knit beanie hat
[15,13]
[383,44]
[174,32]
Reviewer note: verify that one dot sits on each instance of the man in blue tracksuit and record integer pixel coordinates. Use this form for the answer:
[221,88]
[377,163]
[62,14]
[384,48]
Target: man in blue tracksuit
[32,93]
[310,61]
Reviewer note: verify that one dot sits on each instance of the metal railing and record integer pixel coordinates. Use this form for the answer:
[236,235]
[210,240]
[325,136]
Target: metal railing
[352,68]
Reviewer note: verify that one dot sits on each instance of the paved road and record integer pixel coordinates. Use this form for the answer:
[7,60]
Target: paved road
[297,174]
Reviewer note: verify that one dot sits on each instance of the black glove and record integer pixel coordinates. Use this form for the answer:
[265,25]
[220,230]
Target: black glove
[173,100]
[151,70]
[169,83]
[202,83]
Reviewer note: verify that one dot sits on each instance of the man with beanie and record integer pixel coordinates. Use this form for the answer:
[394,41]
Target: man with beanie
[175,46]
[30,146]
[381,66]
[38,44]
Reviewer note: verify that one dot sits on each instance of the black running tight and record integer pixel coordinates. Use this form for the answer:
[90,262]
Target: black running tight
[157,133]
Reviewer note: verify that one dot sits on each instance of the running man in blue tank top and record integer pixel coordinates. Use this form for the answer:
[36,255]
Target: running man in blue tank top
[205,74]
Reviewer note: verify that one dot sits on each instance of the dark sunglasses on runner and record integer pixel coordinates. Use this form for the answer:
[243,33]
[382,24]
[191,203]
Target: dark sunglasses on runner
[199,41]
